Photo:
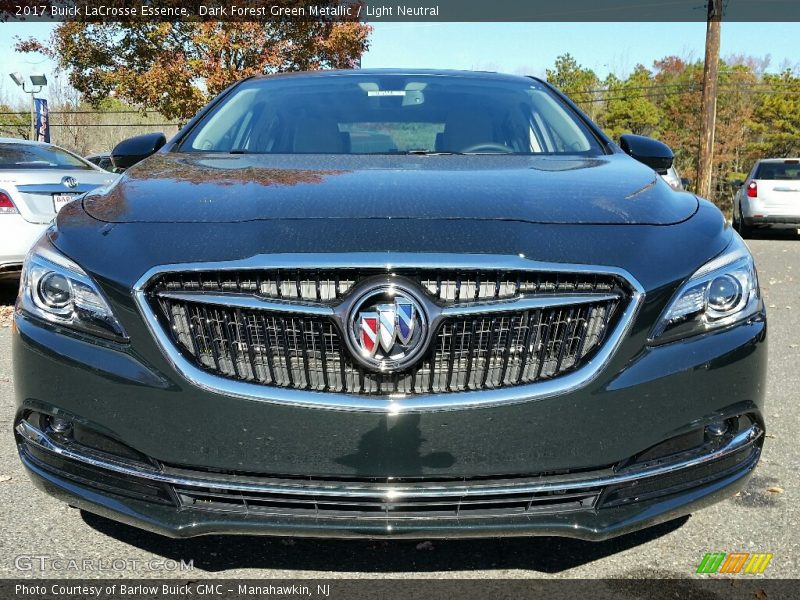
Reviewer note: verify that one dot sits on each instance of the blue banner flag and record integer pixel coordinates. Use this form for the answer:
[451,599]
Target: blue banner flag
[42,121]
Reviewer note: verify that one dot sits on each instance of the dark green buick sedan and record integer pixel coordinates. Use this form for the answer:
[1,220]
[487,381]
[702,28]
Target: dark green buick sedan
[390,303]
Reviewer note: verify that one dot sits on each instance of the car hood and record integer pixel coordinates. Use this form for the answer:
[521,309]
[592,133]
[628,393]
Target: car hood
[223,188]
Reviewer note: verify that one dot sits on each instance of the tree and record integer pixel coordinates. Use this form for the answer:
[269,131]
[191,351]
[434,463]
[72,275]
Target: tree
[776,117]
[679,85]
[14,124]
[15,118]
[732,158]
[176,67]
[628,108]
[577,82]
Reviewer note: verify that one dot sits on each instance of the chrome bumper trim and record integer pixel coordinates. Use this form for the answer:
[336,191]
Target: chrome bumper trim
[392,404]
[35,436]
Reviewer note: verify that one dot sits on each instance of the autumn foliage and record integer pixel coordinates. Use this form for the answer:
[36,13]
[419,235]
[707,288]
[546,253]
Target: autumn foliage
[176,67]
[758,113]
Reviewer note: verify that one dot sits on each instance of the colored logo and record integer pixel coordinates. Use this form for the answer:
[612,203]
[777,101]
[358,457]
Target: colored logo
[70,182]
[387,328]
[734,563]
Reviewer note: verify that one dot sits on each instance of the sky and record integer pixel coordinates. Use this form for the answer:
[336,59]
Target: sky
[527,48]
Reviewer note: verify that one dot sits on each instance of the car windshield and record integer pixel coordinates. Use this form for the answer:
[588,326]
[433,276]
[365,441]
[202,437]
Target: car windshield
[35,156]
[774,170]
[392,114]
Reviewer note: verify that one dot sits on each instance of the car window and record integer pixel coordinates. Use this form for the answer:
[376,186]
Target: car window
[391,114]
[775,170]
[34,156]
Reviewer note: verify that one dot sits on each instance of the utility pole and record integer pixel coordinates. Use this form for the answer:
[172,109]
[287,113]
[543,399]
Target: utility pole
[708,116]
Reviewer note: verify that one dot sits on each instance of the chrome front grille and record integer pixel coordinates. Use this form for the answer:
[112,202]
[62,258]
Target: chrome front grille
[306,351]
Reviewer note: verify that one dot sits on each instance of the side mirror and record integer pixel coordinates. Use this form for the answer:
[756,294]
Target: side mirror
[653,153]
[133,150]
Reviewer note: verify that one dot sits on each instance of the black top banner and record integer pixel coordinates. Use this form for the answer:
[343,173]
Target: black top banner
[397,10]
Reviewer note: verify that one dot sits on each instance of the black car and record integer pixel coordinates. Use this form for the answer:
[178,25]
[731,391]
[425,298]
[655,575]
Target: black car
[390,303]
[103,161]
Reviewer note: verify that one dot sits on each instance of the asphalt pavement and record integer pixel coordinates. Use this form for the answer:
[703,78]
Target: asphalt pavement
[762,518]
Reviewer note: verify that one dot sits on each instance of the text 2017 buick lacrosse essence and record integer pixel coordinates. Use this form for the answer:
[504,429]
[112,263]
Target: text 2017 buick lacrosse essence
[390,303]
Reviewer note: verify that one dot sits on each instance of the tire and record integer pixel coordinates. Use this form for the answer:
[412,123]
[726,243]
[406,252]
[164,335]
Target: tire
[739,225]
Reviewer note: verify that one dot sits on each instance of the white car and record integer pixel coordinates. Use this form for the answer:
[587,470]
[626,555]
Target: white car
[769,196]
[675,181]
[36,181]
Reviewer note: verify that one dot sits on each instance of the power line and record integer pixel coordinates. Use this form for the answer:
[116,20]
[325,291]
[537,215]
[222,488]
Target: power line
[689,86]
[87,112]
[97,124]
[631,97]
[684,92]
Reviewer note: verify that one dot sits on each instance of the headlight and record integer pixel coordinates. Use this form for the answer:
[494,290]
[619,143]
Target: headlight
[723,291]
[55,289]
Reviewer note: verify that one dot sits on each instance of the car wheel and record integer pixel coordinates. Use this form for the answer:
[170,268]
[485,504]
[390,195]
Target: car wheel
[739,225]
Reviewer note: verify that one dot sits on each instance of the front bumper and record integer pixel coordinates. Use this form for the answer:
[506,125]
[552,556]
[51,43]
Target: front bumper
[590,506]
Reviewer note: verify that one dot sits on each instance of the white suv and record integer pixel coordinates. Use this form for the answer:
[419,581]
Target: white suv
[769,196]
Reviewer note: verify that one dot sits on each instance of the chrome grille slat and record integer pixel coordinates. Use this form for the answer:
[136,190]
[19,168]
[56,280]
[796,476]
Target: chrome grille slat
[329,286]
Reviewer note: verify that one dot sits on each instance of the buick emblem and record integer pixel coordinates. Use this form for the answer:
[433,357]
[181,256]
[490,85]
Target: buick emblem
[387,328]
[69,182]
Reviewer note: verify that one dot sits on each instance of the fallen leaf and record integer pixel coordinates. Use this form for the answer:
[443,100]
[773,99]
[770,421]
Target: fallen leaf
[5,478]
[760,594]
[775,489]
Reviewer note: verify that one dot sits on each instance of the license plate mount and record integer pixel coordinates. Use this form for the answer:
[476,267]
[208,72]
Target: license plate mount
[61,200]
